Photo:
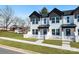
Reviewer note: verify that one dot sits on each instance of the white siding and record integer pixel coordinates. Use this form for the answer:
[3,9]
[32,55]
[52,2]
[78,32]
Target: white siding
[71,19]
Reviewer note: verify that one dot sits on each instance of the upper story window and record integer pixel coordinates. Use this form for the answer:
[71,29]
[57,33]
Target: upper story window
[78,18]
[45,21]
[57,19]
[35,21]
[67,19]
[53,19]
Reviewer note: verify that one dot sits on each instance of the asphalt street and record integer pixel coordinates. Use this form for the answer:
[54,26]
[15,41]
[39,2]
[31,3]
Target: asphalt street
[6,51]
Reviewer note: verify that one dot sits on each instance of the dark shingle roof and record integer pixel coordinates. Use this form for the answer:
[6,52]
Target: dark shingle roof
[57,11]
[36,14]
[68,25]
[68,12]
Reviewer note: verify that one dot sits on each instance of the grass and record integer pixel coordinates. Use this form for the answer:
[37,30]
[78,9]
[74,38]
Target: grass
[74,44]
[15,35]
[36,48]
[54,42]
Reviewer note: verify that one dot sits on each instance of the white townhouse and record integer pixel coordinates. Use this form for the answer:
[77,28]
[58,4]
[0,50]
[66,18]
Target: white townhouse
[57,24]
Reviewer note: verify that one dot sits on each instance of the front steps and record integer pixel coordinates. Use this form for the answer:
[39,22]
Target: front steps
[65,44]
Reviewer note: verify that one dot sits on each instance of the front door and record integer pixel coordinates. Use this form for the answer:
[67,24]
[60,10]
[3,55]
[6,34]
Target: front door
[43,32]
[68,32]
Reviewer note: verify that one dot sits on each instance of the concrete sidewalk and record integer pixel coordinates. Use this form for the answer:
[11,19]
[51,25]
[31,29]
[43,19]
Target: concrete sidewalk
[41,44]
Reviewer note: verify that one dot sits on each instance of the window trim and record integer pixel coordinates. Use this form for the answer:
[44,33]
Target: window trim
[45,22]
[35,21]
[53,19]
[53,33]
[78,31]
[77,18]
[68,19]
[57,31]
[35,31]
[58,21]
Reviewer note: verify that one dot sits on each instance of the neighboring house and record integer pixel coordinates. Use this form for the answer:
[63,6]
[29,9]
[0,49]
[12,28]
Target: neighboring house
[18,29]
[55,25]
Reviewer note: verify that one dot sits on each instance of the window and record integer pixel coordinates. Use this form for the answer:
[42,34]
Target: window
[78,31]
[53,31]
[34,21]
[53,19]
[44,21]
[32,31]
[78,18]
[57,19]
[57,31]
[67,19]
[35,31]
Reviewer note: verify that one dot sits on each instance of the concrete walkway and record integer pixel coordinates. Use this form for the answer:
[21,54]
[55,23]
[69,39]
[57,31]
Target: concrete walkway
[39,41]
[42,44]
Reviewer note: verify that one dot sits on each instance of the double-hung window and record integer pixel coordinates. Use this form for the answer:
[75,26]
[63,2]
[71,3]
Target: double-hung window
[53,19]
[35,21]
[57,19]
[35,31]
[67,19]
[78,18]
[45,21]
[57,31]
[78,31]
[53,31]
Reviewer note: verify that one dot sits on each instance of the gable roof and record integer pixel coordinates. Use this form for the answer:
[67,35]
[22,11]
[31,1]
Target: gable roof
[68,12]
[57,11]
[36,14]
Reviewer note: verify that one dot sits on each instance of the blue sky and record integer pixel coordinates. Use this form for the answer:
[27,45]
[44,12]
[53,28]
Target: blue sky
[24,11]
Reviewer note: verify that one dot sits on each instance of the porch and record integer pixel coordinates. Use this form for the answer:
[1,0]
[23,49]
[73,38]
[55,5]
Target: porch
[68,32]
[43,30]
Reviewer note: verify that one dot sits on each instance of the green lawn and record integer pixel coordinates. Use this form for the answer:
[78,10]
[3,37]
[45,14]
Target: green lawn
[54,42]
[74,44]
[36,48]
[14,35]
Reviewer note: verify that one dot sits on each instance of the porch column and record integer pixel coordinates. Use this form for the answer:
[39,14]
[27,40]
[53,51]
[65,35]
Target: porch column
[39,35]
[76,36]
[62,34]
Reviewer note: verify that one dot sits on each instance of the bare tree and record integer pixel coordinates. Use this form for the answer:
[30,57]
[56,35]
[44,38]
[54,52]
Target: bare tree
[7,14]
[18,21]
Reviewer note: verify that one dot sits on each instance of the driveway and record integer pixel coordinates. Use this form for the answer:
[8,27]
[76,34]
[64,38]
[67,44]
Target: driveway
[7,51]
